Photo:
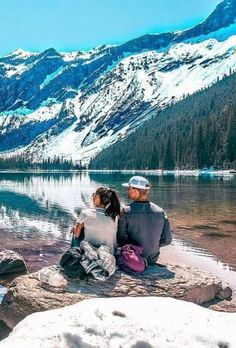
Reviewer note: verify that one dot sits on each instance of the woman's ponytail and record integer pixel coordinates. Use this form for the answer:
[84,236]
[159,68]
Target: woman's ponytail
[109,198]
[113,208]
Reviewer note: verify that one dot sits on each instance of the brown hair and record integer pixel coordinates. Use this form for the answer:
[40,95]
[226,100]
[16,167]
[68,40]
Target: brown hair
[110,200]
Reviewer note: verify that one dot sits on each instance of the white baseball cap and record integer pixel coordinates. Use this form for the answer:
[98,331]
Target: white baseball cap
[138,182]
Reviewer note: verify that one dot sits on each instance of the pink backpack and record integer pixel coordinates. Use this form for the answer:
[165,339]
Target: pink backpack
[129,259]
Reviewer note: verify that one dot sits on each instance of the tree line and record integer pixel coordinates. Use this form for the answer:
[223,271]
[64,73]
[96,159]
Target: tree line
[21,162]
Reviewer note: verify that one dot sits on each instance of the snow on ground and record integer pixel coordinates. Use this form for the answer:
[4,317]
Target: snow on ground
[44,113]
[68,56]
[74,55]
[24,116]
[126,322]
[68,144]
[14,69]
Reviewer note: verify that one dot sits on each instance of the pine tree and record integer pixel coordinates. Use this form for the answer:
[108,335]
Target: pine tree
[231,137]
[168,162]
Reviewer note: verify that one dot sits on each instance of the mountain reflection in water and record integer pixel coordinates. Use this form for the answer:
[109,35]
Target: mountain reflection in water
[37,211]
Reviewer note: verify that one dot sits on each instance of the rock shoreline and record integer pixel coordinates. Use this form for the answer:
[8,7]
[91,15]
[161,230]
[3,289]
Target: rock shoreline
[27,295]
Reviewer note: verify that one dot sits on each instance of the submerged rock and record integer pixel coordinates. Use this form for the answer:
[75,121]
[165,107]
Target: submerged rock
[11,262]
[27,294]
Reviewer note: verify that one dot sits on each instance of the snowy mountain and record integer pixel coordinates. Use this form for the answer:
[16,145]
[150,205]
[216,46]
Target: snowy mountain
[75,104]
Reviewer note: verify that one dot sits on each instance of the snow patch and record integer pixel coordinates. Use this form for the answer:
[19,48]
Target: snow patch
[51,76]
[21,54]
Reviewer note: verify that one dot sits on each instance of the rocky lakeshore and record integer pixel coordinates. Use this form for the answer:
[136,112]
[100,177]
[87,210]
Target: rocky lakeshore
[27,295]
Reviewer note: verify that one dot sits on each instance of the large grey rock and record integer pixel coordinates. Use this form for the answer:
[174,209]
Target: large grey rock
[27,295]
[11,262]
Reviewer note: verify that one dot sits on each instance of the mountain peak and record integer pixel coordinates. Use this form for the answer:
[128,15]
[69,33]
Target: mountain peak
[16,52]
[223,16]
[19,53]
[50,52]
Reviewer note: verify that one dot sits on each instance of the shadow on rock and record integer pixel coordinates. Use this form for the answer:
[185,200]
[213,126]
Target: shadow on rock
[4,330]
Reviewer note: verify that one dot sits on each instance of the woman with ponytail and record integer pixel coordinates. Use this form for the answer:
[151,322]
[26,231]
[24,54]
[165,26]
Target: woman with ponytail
[98,225]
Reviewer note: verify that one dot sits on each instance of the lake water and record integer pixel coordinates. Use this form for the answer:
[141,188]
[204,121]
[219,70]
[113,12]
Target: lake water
[38,210]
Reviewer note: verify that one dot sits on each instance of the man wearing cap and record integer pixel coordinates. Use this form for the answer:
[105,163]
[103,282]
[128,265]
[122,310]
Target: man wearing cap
[142,222]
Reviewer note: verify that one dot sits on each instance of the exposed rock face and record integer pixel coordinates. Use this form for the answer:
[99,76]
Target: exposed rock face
[27,295]
[223,15]
[11,262]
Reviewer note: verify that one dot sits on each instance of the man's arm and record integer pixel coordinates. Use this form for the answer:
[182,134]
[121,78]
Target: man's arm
[166,237]
[121,235]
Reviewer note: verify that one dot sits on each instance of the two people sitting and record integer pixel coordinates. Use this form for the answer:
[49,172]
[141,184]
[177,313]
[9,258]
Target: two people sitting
[140,223]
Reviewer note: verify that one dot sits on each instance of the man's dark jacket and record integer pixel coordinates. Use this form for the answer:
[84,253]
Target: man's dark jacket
[144,224]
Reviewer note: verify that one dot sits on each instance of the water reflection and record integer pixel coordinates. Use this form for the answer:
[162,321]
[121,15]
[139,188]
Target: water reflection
[37,211]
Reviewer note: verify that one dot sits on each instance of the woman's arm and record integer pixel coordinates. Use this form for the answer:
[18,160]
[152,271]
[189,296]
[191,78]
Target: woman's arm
[77,229]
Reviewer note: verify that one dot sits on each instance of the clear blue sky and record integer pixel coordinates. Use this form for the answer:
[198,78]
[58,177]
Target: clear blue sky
[67,25]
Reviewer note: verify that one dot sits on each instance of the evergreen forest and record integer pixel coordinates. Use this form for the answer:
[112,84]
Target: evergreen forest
[21,162]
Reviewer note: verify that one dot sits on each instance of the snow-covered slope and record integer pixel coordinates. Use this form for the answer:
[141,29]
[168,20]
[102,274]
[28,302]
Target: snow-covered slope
[75,104]
[126,322]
